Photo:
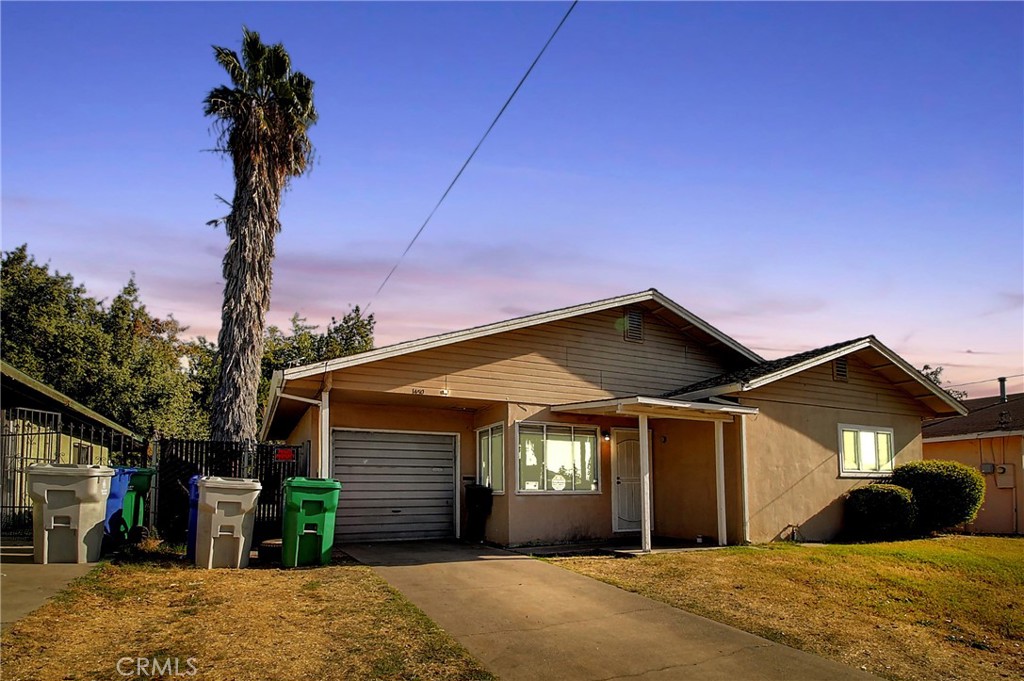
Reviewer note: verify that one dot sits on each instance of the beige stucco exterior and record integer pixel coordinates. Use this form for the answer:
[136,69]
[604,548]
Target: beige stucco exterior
[793,479]
[1002,511]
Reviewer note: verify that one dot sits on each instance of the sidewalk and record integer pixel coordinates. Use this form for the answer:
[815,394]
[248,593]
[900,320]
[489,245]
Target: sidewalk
[24,586]
[527,619]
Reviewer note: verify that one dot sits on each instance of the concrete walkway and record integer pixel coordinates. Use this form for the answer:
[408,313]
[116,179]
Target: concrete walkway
[526,619]
[24,586]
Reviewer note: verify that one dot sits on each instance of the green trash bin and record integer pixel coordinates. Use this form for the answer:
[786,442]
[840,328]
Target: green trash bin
[310,505]
[134,507]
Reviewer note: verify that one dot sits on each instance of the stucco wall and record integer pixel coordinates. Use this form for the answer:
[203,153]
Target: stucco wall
[793,465]
[1002,512]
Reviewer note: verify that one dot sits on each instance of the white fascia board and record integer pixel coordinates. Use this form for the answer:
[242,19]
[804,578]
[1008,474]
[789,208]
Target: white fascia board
[271,408]
[681,311]
[713,392]
[974,436]
[513,325]
[919,377]
[641,401]
[465,334]
[807,364]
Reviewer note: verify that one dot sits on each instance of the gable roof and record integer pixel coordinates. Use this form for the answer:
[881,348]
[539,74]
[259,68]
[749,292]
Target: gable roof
[777,369]
[988,416]
[430,342]
[41,394]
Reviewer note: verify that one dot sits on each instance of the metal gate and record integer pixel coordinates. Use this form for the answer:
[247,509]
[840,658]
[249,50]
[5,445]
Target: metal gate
[29,436]
[179,460]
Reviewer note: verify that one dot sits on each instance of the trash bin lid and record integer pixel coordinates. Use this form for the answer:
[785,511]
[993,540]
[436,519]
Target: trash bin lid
[73,469]
[229,483]
[312,483]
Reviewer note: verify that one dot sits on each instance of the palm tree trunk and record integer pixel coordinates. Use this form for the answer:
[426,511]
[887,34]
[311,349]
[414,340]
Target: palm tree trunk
[251,227]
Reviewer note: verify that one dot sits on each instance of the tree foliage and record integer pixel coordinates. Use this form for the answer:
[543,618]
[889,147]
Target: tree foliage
[263,117]
[117,359]
[935,376]
[130,366]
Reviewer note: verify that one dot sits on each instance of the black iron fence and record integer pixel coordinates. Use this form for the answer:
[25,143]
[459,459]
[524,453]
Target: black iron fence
[178,460]
[29,436]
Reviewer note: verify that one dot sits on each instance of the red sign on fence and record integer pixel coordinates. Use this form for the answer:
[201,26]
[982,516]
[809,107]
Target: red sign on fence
[284,454]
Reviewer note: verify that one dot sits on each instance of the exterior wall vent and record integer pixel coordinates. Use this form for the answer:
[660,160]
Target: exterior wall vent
[840,370]
[633,329]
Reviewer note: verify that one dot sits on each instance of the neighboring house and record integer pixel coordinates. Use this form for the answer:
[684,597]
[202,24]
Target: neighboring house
[548,409]
[41,425]
[991,439]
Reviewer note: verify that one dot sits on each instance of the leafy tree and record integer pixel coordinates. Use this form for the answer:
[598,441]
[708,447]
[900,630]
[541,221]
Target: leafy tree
[263,119]
[935,376]
[119,360]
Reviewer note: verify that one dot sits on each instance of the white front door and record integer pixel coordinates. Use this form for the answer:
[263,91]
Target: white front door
[626,507]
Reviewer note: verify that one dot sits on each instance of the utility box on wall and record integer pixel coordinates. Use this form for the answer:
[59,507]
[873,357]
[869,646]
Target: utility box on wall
[1005,476]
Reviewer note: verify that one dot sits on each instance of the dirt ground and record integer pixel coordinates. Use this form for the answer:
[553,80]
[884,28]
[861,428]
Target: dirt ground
[335,622]
[944,609]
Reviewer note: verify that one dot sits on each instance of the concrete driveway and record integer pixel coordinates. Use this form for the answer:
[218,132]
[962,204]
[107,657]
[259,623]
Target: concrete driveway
[526,619]
[24,586]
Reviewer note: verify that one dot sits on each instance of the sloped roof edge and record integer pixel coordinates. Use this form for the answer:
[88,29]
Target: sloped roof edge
[443,339]
[775,370]
[59,397]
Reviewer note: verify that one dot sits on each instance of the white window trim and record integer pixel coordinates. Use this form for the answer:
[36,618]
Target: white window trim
[554,493]
[504,448]
[843,473]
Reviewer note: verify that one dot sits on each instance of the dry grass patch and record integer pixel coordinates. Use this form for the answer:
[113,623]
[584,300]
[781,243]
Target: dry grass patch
[934,609]
[336,622]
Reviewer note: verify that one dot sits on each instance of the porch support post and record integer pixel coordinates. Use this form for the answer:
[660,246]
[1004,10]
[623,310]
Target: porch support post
[324,467]
[645,486]
[720,480]
[743,478]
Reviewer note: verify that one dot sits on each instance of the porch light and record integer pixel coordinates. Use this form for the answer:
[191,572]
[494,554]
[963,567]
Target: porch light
[606,435]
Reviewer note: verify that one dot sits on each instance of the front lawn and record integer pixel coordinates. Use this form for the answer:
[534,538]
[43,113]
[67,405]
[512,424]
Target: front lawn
[945,608]
[336,622]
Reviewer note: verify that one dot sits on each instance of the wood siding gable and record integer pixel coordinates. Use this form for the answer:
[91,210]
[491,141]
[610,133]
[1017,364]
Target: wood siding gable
[864,390]
[575,359]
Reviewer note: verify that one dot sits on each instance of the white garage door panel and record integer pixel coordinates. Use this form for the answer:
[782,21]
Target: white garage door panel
[394,485]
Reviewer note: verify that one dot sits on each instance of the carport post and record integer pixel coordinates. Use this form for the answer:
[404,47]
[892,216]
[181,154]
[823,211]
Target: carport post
[720,480]
[645,486]
[324,469]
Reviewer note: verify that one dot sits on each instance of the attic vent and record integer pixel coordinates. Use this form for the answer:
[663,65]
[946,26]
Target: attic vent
[840,370]
[634,327]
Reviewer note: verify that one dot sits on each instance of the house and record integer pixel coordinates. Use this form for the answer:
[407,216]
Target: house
[549,411]
[991,439]
[41,425]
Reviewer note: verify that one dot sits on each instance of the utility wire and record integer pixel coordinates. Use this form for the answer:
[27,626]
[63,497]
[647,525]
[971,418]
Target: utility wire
[472,154]
[987,380]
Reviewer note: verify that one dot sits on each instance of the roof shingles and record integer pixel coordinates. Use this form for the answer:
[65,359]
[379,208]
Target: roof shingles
[760,370]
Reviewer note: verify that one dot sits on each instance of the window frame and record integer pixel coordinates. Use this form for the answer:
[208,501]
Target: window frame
[556,493]
[859,473]
[504,447]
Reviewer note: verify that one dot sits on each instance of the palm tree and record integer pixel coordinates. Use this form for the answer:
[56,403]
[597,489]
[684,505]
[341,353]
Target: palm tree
[262,120]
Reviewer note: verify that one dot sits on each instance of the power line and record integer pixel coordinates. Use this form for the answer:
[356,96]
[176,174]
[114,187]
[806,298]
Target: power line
[987,380]
[473,153]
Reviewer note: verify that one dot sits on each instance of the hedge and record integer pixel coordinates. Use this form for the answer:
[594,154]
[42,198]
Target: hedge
[946,493]
[879,511]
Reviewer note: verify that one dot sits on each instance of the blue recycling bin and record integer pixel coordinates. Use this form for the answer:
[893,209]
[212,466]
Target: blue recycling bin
[114,523]
[193,517]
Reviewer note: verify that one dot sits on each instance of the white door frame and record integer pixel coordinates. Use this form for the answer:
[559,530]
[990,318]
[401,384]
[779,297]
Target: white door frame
[615,486]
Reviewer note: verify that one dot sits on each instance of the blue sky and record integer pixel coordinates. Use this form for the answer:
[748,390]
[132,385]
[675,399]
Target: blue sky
[795,173]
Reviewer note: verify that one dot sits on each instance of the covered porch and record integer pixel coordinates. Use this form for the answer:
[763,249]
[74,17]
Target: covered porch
[646,409]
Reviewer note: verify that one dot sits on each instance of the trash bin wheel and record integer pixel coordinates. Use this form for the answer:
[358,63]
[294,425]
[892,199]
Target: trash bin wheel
[137,534]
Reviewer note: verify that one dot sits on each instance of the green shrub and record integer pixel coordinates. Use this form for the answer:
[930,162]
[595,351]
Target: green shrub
[946,493]
[879,511]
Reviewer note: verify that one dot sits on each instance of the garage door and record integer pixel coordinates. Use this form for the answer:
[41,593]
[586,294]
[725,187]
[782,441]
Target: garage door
[394,485]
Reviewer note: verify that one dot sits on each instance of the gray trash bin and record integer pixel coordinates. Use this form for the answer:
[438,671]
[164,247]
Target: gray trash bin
[226,516]
[69,507]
